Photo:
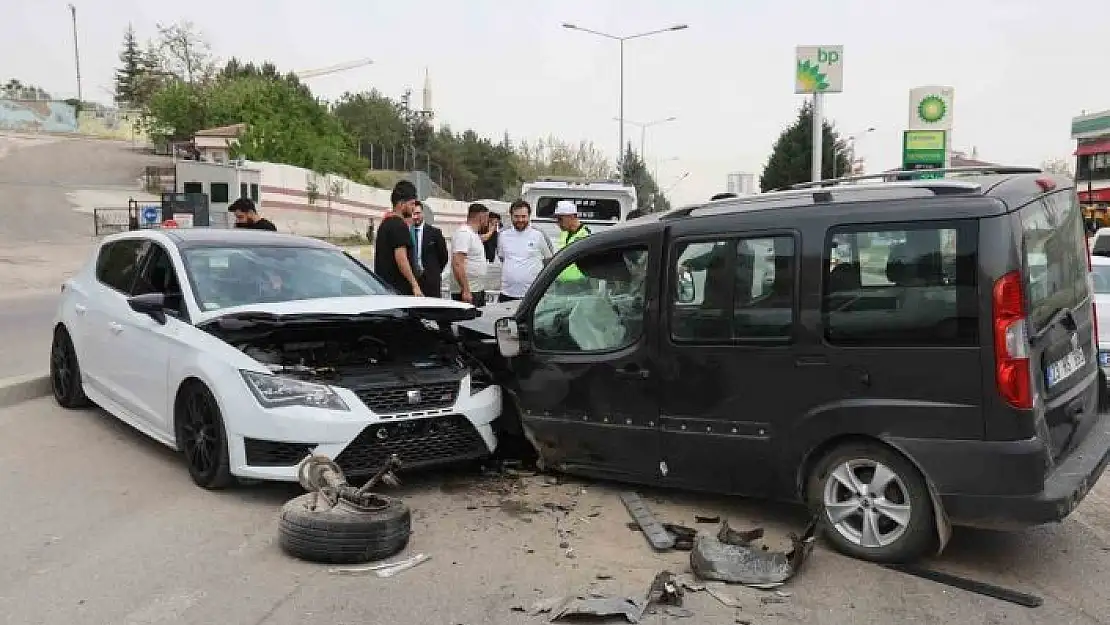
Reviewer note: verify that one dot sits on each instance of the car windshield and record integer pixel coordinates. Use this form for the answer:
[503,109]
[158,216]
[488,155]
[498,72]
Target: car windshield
[1100,277]
[223,277]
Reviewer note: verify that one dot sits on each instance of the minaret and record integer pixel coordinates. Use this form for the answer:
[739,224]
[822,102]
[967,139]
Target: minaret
[426,111]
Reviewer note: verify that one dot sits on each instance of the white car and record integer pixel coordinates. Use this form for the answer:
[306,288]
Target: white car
[247,350]
[1100,280]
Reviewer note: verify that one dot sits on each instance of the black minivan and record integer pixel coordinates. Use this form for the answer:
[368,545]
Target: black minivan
[902,356]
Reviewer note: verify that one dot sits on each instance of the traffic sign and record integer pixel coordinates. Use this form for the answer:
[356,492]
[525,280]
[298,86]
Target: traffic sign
[151,215]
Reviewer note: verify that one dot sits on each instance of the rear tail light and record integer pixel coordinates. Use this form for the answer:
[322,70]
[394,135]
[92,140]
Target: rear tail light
[1011,342]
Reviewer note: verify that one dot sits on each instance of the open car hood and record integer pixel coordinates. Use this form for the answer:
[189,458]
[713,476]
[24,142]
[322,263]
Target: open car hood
[340,308]
[483,324]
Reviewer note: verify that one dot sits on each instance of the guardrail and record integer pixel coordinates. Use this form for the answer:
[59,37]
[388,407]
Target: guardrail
[110,221]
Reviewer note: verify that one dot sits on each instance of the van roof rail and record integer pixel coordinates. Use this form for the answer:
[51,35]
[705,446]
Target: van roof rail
[577,179]
[915,174]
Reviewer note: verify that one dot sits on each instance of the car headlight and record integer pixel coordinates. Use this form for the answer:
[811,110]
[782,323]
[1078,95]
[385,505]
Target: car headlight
[273,391]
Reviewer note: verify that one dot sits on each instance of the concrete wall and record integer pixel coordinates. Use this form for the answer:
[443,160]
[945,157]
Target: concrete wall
[37,116]
[287,201]
[111,124]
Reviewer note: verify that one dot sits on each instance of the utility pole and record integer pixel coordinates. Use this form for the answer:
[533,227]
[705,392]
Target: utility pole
[76,53]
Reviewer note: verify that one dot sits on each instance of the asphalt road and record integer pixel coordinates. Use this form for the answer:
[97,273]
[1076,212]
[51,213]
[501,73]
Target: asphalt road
[102,527]
[25,330]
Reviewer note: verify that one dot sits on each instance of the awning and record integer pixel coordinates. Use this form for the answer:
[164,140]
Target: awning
[1099,195]
[1095,147]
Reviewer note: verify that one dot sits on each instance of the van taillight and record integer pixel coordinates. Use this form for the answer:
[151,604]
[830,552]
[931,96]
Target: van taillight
[1011,343]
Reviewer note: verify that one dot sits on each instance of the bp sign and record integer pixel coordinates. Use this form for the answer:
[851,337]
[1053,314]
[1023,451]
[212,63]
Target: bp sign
[931,108]
[923,149]
[819,69]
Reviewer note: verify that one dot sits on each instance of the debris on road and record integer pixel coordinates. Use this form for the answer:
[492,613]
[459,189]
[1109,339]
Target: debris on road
[730,557]
[707,519]
[970,585]
[337,523]
[727,600]
[665,590]
[385,569]
[578,607]
[656,534]
[683,536]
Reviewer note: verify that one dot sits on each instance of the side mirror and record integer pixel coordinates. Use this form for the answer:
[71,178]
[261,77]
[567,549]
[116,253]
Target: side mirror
[687,292]
[508,337]
[153,304]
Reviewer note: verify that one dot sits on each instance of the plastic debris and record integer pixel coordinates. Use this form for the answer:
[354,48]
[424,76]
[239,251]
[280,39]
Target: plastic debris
[730,557]
[631,609]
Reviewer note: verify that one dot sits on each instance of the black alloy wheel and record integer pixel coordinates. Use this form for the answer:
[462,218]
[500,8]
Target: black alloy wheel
[65,374]
[201,438]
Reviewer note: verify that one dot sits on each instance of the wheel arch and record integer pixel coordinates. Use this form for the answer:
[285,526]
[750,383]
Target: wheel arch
[186,383]
[822,449]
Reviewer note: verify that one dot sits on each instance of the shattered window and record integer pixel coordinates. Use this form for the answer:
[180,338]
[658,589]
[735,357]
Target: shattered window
[603,312]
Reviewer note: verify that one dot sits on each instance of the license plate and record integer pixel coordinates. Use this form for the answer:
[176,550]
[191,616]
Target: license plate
[1065,367]
[1104,359]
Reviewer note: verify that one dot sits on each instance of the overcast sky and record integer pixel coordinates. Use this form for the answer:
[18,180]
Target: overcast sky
[1020,68]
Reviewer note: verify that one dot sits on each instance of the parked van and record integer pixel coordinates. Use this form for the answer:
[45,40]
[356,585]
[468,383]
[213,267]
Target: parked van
[900,356]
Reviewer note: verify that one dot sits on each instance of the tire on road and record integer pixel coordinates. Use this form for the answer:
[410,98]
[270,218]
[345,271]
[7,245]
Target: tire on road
[65,372]
[202,437]
[345,533]
[903,495]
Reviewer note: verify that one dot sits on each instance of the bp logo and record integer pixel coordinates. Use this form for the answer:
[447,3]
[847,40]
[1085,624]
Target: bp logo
[810,78]
[931,109]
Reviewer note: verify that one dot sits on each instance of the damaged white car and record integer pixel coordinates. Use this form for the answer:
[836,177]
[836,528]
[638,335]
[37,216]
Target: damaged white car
[248,350]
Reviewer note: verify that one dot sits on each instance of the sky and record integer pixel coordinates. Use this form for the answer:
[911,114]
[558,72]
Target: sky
[1021,69]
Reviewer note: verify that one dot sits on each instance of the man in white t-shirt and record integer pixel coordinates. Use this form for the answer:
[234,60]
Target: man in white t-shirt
[523,250]
[468,258]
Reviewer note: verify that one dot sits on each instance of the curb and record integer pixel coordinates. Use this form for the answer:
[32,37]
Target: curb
[22,388]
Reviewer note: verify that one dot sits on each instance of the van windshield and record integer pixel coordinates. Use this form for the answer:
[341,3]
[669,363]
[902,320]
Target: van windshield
[1055,256]
[594,209]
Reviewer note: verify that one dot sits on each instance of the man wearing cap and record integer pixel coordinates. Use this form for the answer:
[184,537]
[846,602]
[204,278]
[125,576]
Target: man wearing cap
[566,215]
[394,245]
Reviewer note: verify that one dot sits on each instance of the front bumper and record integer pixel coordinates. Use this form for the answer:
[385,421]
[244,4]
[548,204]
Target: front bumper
[267,444]
[966,471]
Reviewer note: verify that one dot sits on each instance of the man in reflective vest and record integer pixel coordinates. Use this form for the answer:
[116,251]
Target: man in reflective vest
[566,215]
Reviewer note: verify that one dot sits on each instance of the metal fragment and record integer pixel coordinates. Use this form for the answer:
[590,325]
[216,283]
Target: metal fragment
[631,609]
[402,566]
[660,539]
[714,559]
[970,585]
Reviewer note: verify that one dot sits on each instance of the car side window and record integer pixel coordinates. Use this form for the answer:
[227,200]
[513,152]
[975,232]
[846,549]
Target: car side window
[734,290]
[118,263]
[158,276]
[603,311]
[912,286]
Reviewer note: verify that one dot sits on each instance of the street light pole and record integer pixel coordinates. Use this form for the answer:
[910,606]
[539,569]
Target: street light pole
[643,126]
[851,146]
[76,53]
[621,40]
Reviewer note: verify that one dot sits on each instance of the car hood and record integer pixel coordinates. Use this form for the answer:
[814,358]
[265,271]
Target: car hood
[490,314]
[336,308]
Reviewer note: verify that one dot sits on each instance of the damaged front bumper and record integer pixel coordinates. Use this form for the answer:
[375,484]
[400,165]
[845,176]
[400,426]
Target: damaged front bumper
[268,444]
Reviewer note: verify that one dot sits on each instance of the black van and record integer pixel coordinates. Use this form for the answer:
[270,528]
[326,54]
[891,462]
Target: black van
[902,356]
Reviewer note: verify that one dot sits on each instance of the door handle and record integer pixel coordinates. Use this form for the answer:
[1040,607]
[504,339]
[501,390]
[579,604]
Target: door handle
[80,309]
[115,327]
[811,361]
[634,371]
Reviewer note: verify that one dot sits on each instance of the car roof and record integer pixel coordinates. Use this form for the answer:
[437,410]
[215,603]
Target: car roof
[188,238]
[1099,260]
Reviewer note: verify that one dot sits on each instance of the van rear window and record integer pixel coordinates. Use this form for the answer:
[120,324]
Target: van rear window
[1055,256]
[588,208]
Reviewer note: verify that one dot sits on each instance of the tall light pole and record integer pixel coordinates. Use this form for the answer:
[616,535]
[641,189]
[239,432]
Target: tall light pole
[643,126]
[621,40]
[76,53]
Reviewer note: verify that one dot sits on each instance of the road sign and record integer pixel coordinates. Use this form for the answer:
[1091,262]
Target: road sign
[819,69]
[150,215]
[924,149]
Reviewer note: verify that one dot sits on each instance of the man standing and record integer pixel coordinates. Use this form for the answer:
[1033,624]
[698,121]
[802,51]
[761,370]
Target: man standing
[566,215]
[523,250]
[393,245]
[468,258]
[430,255]
[246,216]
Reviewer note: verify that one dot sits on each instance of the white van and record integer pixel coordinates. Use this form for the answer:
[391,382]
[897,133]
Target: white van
[601,203]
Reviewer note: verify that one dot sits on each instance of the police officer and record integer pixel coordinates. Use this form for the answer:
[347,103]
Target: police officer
[566,215]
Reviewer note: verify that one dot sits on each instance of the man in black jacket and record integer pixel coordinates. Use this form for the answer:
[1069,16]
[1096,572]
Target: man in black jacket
[430,256]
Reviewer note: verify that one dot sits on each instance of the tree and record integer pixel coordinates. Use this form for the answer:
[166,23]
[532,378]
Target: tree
[131,73]
[648,196]
[1058,166]
[14,89]
[791,159]
[554,157]
[181,50]
[375,121]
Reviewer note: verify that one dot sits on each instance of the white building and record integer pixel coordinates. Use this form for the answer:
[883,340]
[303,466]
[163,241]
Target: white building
[741,183]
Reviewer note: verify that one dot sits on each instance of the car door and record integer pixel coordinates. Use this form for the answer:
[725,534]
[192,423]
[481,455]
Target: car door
[726,388]
[117,264]
[144,346]
[586,384]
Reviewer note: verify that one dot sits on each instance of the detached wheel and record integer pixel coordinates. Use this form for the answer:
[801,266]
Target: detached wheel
[202,438]
[873,504]
[347,533]
[65,373]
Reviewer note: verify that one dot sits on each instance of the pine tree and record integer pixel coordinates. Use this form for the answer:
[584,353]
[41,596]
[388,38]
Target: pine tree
[792,157]
[130,74]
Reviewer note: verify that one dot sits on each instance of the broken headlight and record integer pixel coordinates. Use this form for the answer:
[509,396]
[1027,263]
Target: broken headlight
[273,391]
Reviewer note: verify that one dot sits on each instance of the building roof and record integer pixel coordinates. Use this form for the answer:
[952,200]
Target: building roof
[222,131]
